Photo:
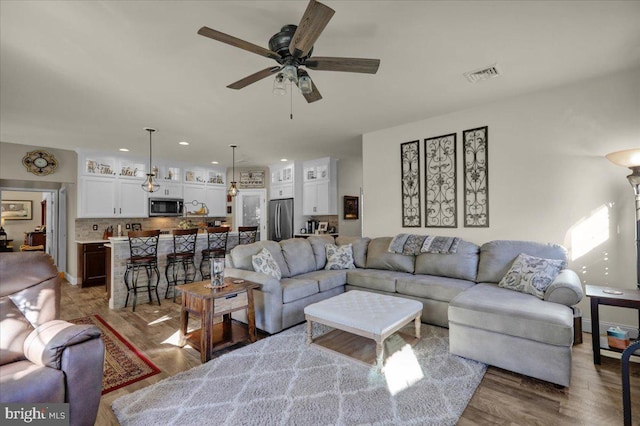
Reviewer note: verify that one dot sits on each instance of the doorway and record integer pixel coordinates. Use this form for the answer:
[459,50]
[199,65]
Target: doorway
[44,215]
[251,210]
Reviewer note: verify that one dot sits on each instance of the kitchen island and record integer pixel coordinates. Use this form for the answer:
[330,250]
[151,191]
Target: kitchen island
[117,290]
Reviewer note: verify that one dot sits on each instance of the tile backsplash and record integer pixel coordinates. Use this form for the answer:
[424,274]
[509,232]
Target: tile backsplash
[85,232]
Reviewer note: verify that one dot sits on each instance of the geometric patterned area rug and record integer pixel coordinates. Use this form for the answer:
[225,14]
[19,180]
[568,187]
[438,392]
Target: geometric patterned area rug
[123,363]
[281,380]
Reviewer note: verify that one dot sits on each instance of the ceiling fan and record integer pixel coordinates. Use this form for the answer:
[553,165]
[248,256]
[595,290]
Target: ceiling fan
[292,48]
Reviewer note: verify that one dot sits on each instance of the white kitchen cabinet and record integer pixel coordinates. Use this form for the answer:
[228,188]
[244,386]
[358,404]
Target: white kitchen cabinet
[168,190]
[131,199]
[216,199]
[282,181]
[104,197]
[320,187]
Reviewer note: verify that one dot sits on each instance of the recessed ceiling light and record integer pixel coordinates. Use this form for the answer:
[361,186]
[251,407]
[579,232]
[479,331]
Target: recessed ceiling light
[283,159]
[214,162]
[124,149]
[183,143]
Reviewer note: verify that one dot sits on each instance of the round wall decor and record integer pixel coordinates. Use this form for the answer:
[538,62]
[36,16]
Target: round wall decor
[40,162]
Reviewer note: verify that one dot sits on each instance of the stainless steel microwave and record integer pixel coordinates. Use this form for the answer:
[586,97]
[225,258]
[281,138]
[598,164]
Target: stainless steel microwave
[165,207]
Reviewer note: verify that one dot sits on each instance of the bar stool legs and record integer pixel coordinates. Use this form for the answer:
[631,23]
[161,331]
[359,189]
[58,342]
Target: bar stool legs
[173,278]
[131,276]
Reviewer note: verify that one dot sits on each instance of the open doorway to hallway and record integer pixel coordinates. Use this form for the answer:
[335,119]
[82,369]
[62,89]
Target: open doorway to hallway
[30,220]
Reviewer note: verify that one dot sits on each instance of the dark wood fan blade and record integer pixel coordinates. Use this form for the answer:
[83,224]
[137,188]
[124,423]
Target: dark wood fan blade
[314,95]
[234,41]
[253,78]
[313,22]
[368,66]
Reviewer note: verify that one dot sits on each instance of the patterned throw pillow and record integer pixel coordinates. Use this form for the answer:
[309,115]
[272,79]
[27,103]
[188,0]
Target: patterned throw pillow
[265,263]
[339,257]
[529,274]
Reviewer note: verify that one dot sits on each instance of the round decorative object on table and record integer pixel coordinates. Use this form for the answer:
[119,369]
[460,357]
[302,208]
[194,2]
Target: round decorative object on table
[40,162]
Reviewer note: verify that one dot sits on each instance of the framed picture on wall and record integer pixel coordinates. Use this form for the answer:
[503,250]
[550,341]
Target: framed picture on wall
[350,207]
[17,210]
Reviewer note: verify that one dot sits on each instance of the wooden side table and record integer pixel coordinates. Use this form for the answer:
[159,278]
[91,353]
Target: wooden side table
[629,298]
[210,303]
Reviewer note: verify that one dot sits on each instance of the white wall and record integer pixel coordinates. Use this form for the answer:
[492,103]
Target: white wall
[547,173]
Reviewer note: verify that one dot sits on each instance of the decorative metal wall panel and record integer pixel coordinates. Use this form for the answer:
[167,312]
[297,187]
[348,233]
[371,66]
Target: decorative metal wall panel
[410,169]
[476,177]
[440,182]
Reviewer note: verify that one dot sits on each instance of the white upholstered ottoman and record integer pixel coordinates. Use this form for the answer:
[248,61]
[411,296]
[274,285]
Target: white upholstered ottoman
[371,315]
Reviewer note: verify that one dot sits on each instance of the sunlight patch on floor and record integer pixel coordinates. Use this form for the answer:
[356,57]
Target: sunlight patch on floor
[402,370]
[159,320]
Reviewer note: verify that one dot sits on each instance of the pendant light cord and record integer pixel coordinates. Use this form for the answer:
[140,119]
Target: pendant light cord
[150,166]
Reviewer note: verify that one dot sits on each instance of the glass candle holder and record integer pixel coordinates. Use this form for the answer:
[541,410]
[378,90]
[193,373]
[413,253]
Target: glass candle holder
[217,271]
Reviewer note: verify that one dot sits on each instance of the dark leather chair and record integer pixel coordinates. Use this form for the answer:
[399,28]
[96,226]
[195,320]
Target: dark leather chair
[44,359]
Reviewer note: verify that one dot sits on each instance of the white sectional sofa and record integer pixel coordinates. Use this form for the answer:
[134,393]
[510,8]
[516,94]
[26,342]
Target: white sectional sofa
[494,325]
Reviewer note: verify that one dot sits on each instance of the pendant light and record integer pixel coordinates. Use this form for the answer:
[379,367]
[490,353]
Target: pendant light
[233,188]
[151,183]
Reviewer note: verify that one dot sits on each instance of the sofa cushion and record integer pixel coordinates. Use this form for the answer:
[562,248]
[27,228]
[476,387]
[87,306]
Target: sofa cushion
[432,287]
[326,279]
[497,256]
[296,288]
[241,255]
[298,254]
[489,307]
[379,257]
[339,257]
[318,242]
[263,262]
[462,264]
[375,279]
[360,247]
[532,275]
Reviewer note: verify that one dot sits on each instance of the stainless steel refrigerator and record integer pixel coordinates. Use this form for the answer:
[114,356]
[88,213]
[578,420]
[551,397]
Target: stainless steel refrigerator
[281,219]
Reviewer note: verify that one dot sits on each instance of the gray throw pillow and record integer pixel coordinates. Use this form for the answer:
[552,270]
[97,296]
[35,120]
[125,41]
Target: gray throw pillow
[339,257]
[529,274]
[263,262]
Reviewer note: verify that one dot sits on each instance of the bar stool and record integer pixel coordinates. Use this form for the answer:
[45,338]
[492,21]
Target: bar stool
[184,252]
[247,234]
[143,254]
[216,247]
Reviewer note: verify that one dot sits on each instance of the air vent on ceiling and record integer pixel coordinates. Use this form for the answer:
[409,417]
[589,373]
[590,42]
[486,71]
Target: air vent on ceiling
[483,73]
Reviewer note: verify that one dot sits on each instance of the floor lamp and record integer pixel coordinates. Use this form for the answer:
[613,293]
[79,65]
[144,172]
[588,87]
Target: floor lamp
[631,158]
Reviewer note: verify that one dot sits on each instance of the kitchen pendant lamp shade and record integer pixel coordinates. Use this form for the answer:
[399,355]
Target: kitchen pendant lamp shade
[233,188]
[151,183]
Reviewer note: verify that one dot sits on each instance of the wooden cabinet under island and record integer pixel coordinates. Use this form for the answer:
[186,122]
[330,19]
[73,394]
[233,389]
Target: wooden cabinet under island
[91,263]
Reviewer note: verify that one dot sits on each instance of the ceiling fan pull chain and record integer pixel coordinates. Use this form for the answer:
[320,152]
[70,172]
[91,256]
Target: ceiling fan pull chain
[291,105]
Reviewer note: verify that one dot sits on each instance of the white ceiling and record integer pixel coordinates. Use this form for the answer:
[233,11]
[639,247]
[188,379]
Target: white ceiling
[92,74]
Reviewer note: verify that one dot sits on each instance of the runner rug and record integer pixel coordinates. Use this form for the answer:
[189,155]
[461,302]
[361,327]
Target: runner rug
[280,380]
[123,363]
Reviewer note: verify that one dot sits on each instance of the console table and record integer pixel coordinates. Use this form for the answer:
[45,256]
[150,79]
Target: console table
[629,298]
[210,303]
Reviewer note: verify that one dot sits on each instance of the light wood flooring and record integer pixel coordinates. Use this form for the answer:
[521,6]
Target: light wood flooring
[503,398]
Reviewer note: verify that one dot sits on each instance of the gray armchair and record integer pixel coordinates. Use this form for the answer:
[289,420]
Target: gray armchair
[44,359]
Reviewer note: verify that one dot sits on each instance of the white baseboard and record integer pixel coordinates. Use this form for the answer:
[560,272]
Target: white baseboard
[72,280]
[586,327]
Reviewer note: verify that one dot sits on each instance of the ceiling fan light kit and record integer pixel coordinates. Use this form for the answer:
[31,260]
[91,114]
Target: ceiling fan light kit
[291,48]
